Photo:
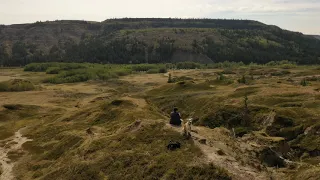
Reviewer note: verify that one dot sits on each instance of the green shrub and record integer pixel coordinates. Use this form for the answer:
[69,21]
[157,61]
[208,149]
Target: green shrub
[74,72]
[70,66]
[53,80]
[163,70]
[241,131]
[144,67]
[106,76]
[71,73]
[242,80]
[39,67]
[53,70]
[71,76]
[291,132]
[188,65]
[304,82]
[212,121]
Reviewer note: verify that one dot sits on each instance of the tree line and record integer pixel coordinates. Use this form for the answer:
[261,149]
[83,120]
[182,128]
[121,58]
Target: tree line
[237,45]
[92,50]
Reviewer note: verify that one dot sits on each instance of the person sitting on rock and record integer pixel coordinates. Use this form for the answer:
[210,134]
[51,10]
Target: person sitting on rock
[175,117]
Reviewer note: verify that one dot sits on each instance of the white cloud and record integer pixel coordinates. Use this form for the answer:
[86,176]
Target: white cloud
[261,6]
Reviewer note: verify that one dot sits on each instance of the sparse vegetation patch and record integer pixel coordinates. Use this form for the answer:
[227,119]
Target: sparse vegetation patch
[16,85]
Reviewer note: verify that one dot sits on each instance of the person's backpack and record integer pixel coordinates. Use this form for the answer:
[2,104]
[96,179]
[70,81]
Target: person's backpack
[175,118]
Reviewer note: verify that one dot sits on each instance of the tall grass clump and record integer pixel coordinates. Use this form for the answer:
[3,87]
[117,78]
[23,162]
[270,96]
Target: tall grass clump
[304,82]
[39,67]
[71,76]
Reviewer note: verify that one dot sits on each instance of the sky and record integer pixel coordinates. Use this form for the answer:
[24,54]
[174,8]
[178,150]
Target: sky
[296,15]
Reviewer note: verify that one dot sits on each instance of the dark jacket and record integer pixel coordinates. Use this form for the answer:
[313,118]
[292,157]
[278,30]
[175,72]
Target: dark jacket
[175,118]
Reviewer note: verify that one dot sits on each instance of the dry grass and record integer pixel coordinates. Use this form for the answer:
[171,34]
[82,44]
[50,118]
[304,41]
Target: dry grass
[114,151]
[127,119]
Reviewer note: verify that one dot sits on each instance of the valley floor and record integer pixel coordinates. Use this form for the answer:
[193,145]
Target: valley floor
[119,128]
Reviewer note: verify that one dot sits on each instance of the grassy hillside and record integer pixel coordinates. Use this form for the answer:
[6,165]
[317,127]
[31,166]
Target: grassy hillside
[245,116]
[46,34]
[150,40]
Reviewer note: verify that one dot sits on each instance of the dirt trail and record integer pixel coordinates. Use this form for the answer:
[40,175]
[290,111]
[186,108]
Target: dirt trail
[13,143]
[226,161]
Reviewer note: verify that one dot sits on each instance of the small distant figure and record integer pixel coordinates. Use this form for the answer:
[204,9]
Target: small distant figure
[175,117]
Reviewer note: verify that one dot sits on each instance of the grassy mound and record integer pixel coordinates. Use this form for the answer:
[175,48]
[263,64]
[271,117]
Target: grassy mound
[138,155]
[117,151]
[12,118]
[16,85]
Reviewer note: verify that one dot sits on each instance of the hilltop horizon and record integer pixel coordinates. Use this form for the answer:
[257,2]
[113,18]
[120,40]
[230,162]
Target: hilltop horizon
[155,40]
[119,18]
